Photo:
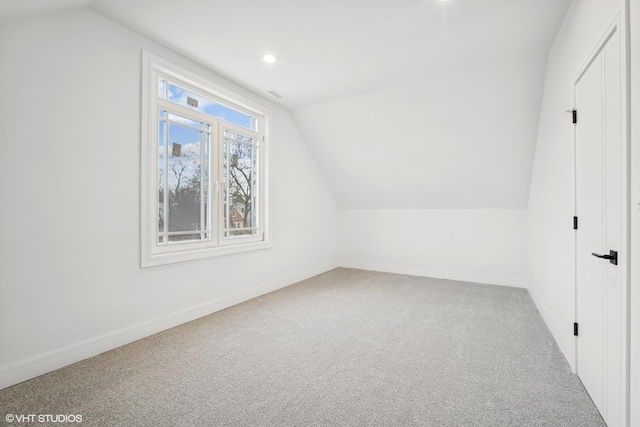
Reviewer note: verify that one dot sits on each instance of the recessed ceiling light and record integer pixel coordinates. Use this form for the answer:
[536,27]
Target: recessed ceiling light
[269,58]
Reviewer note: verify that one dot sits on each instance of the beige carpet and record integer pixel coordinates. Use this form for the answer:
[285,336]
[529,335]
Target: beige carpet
[346,348]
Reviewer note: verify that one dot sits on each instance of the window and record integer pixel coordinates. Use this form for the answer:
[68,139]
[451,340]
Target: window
[203,168]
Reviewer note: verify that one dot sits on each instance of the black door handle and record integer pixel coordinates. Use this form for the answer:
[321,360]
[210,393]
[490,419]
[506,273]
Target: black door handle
[612,257]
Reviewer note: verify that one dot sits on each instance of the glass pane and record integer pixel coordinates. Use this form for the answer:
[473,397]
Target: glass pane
[240,184]
[182,166]
[188,99]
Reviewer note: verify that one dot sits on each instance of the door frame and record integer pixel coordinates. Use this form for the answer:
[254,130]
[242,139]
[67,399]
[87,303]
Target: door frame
[619,25]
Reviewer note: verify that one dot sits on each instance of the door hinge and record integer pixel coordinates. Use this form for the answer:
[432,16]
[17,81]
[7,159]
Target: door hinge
[575,116]
[575,222]
[575,329]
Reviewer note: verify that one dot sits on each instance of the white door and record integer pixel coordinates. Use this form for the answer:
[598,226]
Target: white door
[598,208]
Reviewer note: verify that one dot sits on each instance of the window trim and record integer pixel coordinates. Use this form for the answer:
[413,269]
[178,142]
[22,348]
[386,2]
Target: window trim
[153,254]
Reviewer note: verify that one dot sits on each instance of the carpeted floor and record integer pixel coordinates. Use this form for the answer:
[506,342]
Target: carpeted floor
[346,348]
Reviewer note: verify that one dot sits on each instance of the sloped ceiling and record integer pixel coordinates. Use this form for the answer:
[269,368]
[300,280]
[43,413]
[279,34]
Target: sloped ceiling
[465,140]
[403,103]
[16,8]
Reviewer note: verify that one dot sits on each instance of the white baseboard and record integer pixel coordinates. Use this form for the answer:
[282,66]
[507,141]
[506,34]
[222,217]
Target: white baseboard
[558,332]
[39,365]
[438,274]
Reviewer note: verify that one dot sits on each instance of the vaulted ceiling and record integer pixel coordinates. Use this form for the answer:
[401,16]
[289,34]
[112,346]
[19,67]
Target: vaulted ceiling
[403,103]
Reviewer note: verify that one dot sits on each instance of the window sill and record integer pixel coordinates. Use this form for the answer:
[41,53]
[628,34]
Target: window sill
[153,260]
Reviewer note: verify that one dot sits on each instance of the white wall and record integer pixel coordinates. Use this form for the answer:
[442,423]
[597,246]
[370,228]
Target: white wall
[551,238]
[551,200]
[432,177]
[477,245]
[71,284]
[635,213]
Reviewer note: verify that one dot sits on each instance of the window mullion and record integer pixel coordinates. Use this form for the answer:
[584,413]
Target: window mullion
[226,225]
[255,175]
[165,184]
[203,176]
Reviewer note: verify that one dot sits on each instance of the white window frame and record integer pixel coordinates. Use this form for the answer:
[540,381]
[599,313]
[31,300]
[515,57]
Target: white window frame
[152,253]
